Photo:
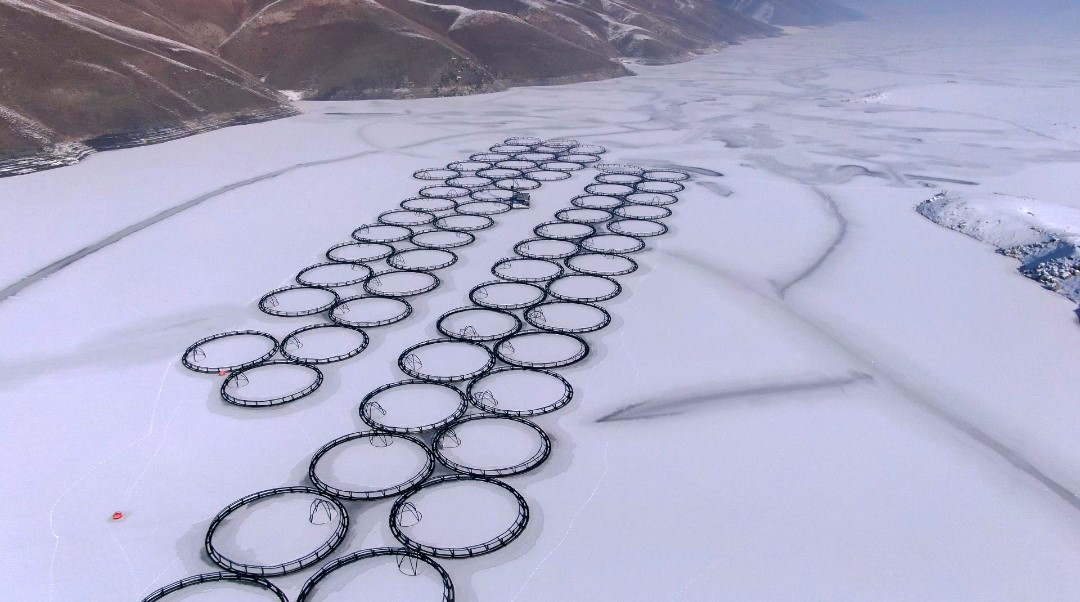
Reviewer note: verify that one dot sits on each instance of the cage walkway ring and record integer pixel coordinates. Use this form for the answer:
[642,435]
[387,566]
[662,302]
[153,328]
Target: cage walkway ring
[401,283]
[450,439]
[579,158]
[571,317]
[427,204]
[292,566]
[563,230]
[492,194]
[436,173]
[597,201]
[442,239]
[619,178]
[405,510]
[271,303]
[424,260]
[503,294]
[590,149]
[649,212]
[655,187]
[359,252]
[443,191]
[524,269]
[666,175]
[517,184]
[546,248]
[195,352]
[586,288]
[236,381]
[559,165]
[549,175]
[470,182]
[638,228]
[601,264]
[370,311]
[293,343]
[483,208]
[612,244]
[427,361]
[517,164]
[500,173]
[524,350]
[381,233]
[374,412]
[654,199]
[407,560]
[408,218]
[490,157]
[523,140]
[336,274]
[478,324]
[511,148]
[375,440]
[219,577]
[535,157]
[563,143]
[464,223]
[471,166]
[619,168]
[486,394]
[580,215]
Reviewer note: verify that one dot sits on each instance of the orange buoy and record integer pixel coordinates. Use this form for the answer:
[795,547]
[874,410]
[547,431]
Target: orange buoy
[117,515]
[222,373]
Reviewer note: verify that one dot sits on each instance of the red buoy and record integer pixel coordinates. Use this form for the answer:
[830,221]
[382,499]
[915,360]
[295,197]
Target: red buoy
[117,515]
[222,373]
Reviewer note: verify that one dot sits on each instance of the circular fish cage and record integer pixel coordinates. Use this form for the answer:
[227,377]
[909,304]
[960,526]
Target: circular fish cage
[619,178]
[571,317]
[233,581]
[666,175]
[464,223]
[406,217]
[638,228]
[590,149]
[561,165]
[492,194]
[271,383]
[412,406]
[541,349]
[517,184]
[597,201]
[579,215]
[436,173]
[518,164]
[295,301]
[370,465]
[546,248]
[491,157]
[459,516]
[535,157]
[506,295]
[523,140]
[442,191]
[381,233]
[614,244]
[323,343]
[483,208]
[424,260]
[442,239]
[585,288]
[427,204]
[654,187]
[619,168]
[501,173]
[470,182]
[471,167]
[385,573]
[247,536]
[333,274]
[549,175]
[491,446]
[601,264]
[401,283]
[620,190]
[370,311]
[563,230]
[478,324]
[652,198]
[229,351]
[446,360]
[579,158]
[649,212]
[511,149]
[514,391]
[523,269]
[359,252]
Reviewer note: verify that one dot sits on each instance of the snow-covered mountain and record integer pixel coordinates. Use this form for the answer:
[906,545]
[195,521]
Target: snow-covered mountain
[79,75]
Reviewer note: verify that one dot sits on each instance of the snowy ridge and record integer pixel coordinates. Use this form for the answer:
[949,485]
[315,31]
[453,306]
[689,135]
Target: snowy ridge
[1043,236]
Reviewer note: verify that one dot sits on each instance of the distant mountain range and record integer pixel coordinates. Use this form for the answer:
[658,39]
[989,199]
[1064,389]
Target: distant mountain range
[84,75]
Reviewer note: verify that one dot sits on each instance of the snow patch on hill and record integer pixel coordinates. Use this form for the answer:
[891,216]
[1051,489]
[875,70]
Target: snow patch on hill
[1042,236]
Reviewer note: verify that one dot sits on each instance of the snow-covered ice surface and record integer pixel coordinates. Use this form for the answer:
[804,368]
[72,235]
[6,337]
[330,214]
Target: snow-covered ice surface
[807,391]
